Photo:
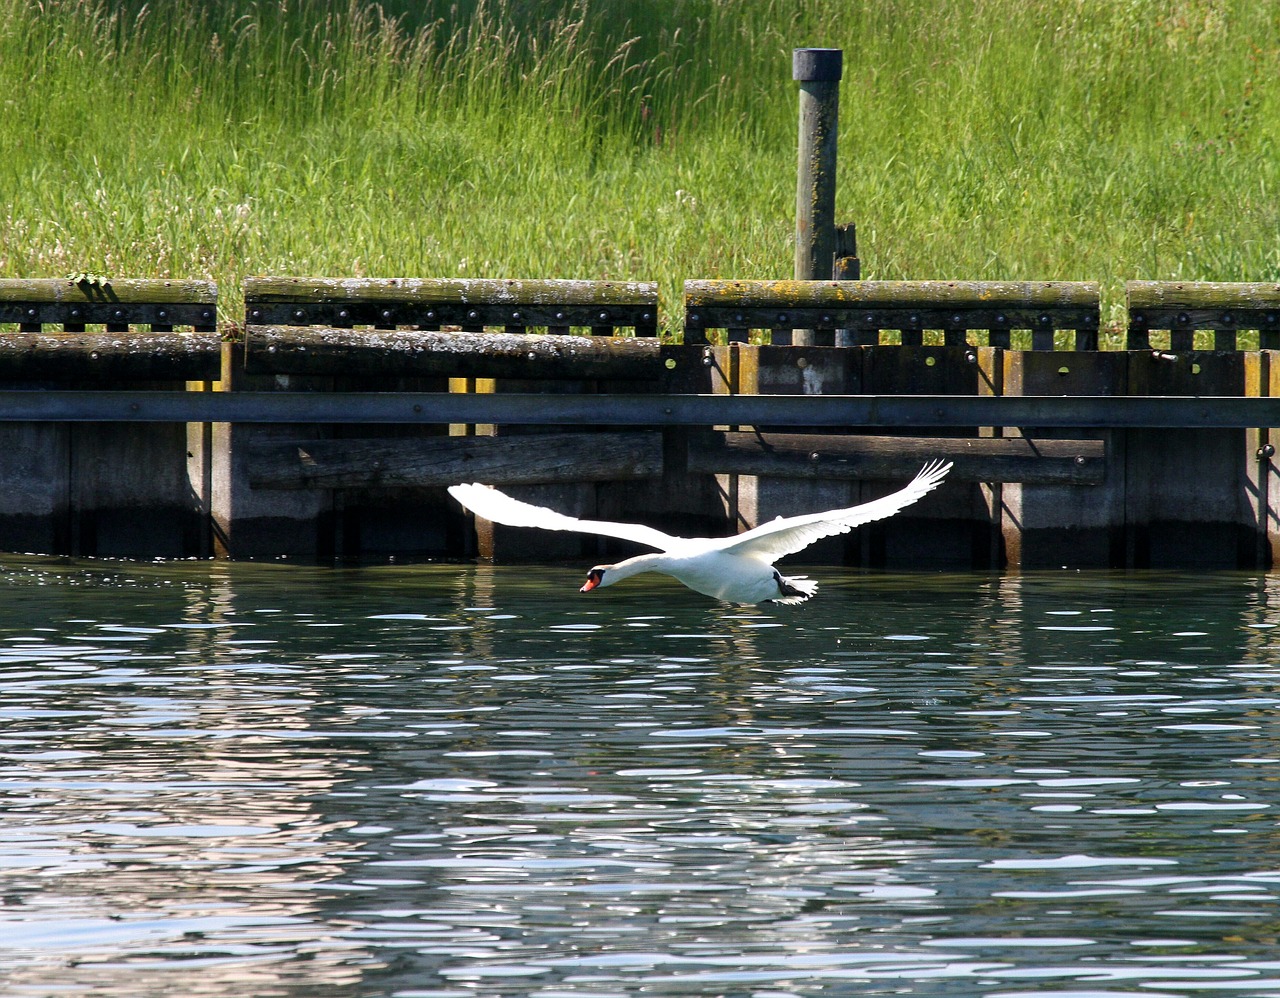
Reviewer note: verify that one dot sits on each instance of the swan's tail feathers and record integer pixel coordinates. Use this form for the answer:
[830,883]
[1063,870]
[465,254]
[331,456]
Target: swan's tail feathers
[794,589]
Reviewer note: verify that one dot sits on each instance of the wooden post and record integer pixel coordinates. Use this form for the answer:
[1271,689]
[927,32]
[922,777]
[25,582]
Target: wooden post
[818,72]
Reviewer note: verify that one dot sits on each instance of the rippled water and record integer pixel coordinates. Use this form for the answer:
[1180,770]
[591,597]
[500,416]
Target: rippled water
[445,780]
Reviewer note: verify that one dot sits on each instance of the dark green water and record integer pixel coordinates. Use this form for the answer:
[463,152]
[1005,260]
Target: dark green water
[457,781]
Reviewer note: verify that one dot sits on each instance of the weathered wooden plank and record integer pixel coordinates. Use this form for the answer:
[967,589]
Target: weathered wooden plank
[35,303]
[404,353]
[853,294]
[998,319]
[910,306]
[194,356]
[433,302]
[976,459]
[125,291]
[544,459]
[427,290]
[1204,304]
[898,411]
[1182,307]
[1020,298]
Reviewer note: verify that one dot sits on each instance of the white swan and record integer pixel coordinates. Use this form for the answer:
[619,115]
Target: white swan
[738,569]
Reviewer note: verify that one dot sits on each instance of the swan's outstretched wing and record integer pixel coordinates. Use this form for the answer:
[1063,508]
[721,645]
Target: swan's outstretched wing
[789,535]
[488,502]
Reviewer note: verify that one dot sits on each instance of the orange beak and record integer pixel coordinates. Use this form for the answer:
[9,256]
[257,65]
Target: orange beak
[591,583]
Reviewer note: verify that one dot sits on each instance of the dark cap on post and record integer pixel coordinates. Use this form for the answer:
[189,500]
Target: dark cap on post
[817,65]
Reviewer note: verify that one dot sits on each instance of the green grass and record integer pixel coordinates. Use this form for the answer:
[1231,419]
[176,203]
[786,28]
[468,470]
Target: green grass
[1026,139]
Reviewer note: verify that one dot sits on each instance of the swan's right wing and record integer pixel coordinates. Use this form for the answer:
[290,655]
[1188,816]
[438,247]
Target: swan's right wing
[487,502]
[783,536]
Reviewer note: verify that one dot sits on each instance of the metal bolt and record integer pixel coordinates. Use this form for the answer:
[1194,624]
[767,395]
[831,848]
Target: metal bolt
[256,314]
[1266,452]
[32,313]
[299,314]
[162,315]
[1183,318]
[344,314]
[515,316]
[117,313]
[1001,319]
[560,316]
[955,320]
[1079,459]
[1226,318]
[386,314]
[970,357]
[603,316]
[1045,319]
[782,317]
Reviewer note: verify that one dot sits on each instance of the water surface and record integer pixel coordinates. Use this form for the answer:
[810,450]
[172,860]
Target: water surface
[460,781]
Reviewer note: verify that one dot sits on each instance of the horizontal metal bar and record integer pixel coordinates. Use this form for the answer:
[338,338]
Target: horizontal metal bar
[899,411]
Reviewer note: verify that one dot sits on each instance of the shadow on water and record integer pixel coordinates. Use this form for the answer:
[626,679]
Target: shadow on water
[465,780]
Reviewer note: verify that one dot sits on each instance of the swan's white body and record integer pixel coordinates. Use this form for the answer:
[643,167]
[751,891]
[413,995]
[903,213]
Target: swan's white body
[737,569]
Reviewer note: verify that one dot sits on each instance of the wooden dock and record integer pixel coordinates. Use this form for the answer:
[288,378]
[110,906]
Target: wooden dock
[329,426]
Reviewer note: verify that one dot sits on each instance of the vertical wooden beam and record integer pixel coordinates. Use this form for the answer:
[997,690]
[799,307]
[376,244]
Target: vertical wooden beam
[1185,488]
[1056,526]
[1262,378]
[818,71]
[1001,548]
[945,528]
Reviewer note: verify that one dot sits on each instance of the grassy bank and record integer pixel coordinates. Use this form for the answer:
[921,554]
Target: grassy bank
[1022,139]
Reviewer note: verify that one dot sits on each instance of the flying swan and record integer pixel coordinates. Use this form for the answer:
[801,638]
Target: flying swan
[737,569]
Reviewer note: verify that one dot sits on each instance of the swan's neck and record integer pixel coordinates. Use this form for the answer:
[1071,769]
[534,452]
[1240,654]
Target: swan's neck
[634,566]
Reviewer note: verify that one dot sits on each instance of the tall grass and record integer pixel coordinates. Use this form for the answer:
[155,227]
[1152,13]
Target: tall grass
[980,139]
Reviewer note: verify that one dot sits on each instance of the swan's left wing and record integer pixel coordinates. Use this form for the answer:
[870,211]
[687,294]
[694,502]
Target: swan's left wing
[486,501]
[792,534]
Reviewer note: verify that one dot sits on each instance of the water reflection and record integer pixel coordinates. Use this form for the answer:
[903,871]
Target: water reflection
[447,780]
